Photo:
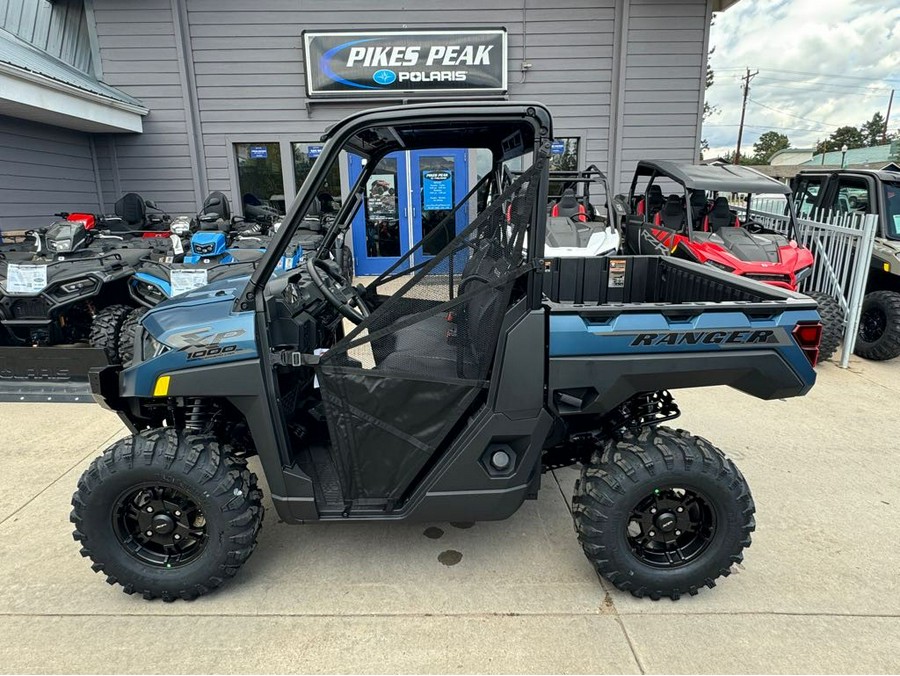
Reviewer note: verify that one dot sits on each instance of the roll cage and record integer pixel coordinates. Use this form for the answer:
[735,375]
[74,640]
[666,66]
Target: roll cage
[711,178]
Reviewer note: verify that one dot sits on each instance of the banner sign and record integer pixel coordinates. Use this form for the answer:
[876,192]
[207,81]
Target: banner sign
[375,63]
[437,189]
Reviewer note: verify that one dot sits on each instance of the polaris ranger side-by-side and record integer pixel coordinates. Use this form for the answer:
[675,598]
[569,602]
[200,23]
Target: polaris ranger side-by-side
[865,191]
[468,372]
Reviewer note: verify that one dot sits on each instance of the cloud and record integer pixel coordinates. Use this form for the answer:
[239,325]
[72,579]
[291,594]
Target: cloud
[822,64]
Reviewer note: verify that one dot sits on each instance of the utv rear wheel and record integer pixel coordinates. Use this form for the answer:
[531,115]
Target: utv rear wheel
[106,329]
[879,326]
[662,513]
[167,515]
[832,315]
[126,337]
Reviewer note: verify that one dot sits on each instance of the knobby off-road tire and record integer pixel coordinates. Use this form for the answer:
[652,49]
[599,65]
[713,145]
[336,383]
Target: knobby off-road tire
[169,477]
[832,315]
[648,468]
[879,326]
[106,329]
[347,263]
[126,338]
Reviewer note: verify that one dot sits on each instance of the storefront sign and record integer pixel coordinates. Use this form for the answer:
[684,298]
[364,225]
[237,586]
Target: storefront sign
[258,152]
[437,189]
[312,152]
[372,63]
[558,147]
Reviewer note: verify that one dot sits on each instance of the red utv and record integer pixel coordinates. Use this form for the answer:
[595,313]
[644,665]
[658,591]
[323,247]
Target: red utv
[683,210]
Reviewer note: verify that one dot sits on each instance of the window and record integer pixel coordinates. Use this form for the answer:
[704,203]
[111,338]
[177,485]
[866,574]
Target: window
[382,213]
[892,209]
[260,179]
[807,192]
[330,194]
[852,196]
[563,157]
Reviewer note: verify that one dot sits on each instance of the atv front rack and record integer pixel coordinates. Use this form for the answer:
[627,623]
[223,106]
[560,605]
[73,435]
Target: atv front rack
[48,374]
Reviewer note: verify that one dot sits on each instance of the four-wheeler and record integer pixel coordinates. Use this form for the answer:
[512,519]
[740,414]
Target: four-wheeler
[695,222]
[467,375]
[133,215]
[74,290]
[865,191]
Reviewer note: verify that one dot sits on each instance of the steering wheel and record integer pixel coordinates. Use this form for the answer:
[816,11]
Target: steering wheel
[341,295]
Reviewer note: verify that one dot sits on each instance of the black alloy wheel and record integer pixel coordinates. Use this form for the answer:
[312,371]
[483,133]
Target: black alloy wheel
[670,527]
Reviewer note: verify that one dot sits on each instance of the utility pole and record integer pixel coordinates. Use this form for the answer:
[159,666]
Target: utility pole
[746,80]
[887,119]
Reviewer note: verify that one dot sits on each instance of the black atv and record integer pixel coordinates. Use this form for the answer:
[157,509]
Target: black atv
[72,291]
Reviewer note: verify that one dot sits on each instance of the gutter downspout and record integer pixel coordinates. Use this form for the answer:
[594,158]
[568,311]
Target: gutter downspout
[617,94]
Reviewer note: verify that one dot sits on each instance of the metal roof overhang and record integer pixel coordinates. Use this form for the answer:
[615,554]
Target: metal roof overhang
[35,97]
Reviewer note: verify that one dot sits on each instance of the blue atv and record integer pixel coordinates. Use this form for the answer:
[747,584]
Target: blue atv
[441,391]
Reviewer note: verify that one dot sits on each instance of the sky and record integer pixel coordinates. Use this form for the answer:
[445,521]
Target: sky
[822,64]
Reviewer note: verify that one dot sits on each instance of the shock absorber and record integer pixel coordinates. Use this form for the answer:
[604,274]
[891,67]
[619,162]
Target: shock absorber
[196,416]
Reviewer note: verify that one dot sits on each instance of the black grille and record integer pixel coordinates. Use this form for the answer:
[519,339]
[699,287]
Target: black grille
[30,308]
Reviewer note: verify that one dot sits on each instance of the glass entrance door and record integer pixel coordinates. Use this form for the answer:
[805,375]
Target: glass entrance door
[381,226]
[439,181]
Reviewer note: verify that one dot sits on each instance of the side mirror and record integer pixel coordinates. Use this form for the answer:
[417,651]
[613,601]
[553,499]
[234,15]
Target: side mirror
[151,204]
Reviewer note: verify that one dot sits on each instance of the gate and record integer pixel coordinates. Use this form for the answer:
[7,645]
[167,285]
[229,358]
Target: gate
[842,246]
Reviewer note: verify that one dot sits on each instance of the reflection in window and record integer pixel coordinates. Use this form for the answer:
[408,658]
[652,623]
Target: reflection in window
[330,196]
[382,214]
[260,180]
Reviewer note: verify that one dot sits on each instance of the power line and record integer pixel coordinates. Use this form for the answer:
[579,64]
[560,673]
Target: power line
[814,74]
[829,85]
[770,127]
[799,117]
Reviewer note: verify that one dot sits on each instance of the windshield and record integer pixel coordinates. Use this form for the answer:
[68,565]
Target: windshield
[892,209]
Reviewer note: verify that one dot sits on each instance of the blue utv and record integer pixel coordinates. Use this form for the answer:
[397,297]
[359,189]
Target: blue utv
[467,371]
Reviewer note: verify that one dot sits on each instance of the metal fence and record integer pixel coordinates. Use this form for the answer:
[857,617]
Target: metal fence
[842,245]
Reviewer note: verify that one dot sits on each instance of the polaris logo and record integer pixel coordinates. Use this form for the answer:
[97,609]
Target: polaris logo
[759,337]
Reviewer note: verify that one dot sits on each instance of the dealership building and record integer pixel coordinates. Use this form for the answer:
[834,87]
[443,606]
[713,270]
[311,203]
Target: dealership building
[173,99]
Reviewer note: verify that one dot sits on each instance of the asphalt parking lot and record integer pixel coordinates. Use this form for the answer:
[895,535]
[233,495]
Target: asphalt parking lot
[819,590]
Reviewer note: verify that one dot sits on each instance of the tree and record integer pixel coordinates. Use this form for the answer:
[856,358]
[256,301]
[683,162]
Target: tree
[847,135]
[875,131]
[708,110]
[767,145]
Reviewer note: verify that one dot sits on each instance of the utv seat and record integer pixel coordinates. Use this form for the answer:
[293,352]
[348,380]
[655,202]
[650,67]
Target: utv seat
[450,345]
[672,214]
[569,206]
[720,217]
[653,203]
[699,208]
[216,204]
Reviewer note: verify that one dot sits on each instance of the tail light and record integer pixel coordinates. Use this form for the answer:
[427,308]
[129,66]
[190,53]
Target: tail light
[808,336]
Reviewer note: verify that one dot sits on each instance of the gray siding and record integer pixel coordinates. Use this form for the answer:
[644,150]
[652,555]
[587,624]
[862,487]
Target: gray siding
[59,28]
[138,49]
[215,72]
[252,87]
[43,170]
[663,84]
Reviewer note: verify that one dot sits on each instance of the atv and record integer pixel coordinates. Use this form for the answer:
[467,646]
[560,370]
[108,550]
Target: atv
[72,290]
[133,216]
[465,376]
[865,191]
[696,222]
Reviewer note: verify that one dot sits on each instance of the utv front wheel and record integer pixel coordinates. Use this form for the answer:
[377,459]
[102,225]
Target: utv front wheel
[127,335]
[879,326]
[106,328]
[662,513]
[832,315]
[167,515]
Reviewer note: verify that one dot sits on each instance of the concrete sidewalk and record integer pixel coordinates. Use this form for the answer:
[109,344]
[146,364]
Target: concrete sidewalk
[819,590]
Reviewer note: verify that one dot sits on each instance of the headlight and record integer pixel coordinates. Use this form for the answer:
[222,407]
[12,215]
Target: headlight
[720,266]
[150,346]
[77,285]
[804,273]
